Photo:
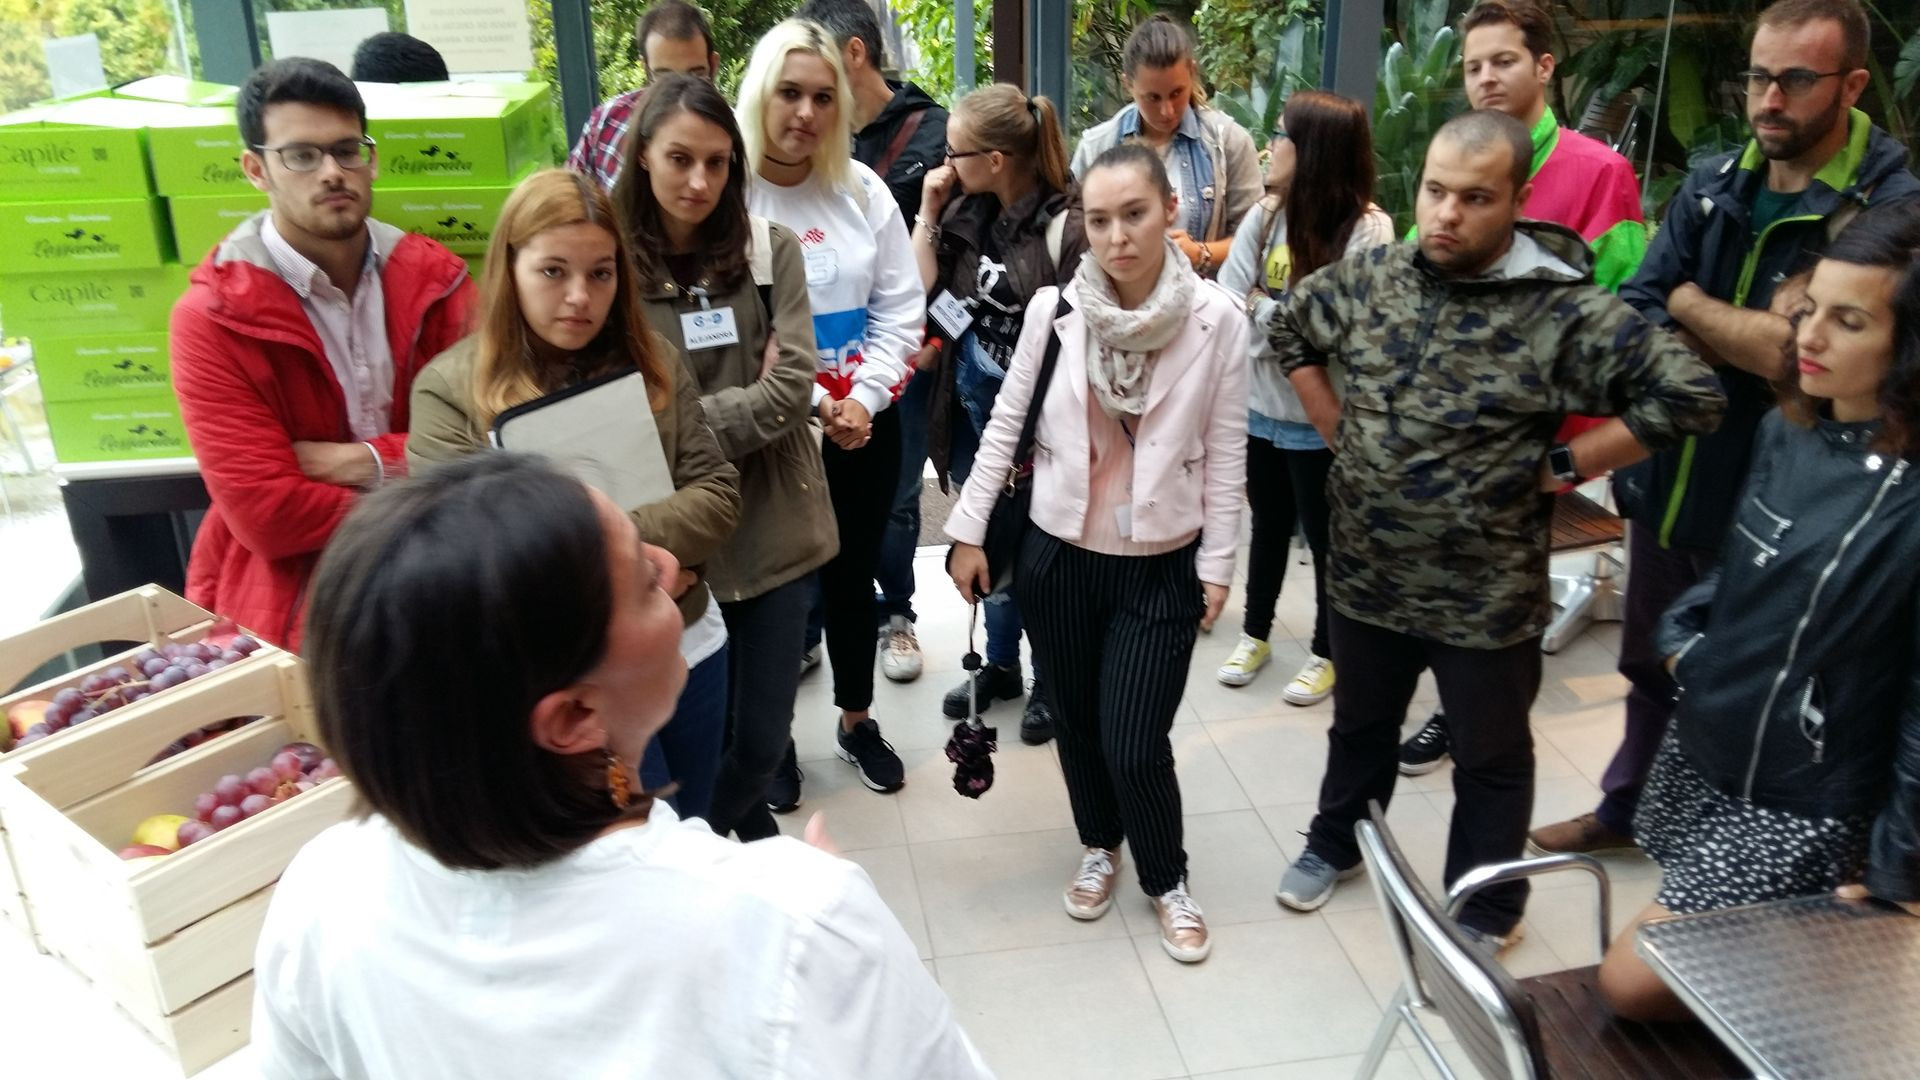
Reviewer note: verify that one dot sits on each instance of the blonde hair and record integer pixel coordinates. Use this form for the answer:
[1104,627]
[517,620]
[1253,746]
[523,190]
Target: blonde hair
[1001,117]
[833,157]
[505,372]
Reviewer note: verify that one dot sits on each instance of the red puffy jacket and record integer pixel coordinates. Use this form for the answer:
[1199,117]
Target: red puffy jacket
[253,379]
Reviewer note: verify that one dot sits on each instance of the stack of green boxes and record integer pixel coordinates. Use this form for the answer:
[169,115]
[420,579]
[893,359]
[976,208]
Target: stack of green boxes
[107,201]
[87,271]
[449,153]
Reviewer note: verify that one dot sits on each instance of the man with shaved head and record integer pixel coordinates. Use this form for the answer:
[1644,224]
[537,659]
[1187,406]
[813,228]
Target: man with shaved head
[1459,357]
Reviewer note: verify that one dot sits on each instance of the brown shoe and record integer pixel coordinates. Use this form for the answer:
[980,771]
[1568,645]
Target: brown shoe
[1092,890]
[1583,835]
[1183,931]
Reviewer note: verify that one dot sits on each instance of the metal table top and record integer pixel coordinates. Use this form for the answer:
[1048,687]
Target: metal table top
[1813,987]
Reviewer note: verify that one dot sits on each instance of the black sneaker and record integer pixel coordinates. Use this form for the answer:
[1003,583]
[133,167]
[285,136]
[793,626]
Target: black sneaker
[996,683]
[1427,750]
[783,791]
[865,750]
[1036,727]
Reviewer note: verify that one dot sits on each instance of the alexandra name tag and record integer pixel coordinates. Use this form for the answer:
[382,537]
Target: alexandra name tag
[708,328]
[951,314]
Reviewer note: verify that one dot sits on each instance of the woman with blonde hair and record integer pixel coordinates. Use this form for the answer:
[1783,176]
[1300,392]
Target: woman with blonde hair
[868,310]
[562,308]
[997,223]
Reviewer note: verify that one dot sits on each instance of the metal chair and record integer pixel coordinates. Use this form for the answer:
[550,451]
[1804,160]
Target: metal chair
[1596,593]
[1541,1027]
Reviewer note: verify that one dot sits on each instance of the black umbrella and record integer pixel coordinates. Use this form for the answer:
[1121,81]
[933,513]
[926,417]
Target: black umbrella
[972,746]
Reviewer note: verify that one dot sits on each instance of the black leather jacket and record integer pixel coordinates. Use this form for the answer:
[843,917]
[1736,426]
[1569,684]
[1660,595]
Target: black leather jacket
[1799,654]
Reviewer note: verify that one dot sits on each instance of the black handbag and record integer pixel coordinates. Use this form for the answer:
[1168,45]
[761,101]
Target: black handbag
[1007,524]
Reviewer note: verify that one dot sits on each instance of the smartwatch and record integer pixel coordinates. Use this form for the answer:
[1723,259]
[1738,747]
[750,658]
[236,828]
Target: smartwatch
[1560,461]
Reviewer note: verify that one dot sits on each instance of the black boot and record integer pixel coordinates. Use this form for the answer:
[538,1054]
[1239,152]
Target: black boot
[996,683]
[1036,727]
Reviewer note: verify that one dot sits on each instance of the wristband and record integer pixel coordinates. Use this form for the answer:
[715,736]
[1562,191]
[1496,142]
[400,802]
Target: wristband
[933,231]
[379,467]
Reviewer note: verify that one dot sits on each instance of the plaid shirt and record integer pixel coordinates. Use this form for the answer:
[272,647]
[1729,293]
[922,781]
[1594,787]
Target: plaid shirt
[601,152]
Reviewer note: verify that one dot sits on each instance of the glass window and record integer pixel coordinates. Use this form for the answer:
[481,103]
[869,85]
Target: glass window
[136,38]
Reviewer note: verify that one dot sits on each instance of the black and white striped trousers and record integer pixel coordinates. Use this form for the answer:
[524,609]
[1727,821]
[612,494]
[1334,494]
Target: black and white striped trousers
[1112,636]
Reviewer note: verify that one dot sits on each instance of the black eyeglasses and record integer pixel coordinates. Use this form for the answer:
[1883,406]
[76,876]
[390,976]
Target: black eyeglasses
[306,157]
[1793,82]
[956,155]
[1279,132]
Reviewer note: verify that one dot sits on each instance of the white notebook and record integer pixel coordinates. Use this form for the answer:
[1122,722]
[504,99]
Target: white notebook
[601,431]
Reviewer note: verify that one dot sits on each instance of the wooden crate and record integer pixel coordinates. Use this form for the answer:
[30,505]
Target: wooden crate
[147,616]
[170,940]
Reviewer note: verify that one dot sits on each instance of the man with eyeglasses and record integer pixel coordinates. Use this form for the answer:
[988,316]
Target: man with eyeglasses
[1720,274]
[295,347]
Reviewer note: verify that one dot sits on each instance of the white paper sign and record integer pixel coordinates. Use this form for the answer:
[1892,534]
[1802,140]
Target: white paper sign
[324,35]
[73,65]
[708,328]
[475,35]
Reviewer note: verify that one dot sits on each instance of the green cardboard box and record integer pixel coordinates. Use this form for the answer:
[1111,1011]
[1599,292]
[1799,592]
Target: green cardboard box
[106,234]
[461,219]
[200,222]
[43,155]
[90,302]
[102,366]
[454,141]
[118,429]
[179,90]
[195,151]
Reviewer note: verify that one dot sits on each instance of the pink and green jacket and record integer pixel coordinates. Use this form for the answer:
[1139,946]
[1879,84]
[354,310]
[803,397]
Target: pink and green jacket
[1581,183]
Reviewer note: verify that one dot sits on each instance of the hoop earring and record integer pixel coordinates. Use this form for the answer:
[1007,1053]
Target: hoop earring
[619,788]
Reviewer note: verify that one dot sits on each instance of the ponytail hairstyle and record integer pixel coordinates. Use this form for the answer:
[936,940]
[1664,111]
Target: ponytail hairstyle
[1000,117]
[1159,42]
[1332,177]
[505,371]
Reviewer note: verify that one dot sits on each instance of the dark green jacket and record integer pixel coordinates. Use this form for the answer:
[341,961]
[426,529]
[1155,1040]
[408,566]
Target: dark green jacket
[1453,391]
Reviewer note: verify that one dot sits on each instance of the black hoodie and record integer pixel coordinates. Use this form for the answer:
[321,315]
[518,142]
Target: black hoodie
[926,149]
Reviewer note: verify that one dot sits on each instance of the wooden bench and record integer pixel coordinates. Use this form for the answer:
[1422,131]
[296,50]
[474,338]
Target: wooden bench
[1580,524]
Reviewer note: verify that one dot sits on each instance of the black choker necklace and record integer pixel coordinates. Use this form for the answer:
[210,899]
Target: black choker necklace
[788,164]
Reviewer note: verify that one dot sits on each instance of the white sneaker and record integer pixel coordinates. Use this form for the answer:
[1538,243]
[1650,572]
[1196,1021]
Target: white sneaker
[810,659]
[900,659]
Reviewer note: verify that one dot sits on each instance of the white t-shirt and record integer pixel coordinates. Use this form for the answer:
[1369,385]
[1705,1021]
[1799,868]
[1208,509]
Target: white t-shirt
[708,633]
[655,951]
[868,304]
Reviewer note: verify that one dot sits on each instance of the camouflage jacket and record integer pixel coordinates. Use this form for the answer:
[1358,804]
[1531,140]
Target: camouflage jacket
[1451,393]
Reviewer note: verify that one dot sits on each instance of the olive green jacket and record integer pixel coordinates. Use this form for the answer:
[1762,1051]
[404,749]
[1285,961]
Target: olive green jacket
[693,523]
[787,526]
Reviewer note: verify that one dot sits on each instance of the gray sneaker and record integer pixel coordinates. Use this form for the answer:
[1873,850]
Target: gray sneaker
[1308,883]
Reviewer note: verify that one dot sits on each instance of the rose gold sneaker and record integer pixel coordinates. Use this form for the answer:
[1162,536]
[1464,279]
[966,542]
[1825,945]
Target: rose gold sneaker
[1183,931]
[1092,890]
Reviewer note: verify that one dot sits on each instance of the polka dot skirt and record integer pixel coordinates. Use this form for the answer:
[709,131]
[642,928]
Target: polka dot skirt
[1718,850]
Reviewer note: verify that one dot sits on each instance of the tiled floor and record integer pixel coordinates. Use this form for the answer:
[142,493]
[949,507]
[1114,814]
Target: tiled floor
[977,884]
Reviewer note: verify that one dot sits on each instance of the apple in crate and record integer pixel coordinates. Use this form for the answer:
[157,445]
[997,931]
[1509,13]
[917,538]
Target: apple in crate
[161,831]
[143,851]
[22,715]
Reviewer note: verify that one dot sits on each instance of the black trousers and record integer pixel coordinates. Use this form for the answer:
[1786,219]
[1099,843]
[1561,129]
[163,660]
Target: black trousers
[1656,577]
[862,484]
[1284,486]
[1487,695]
[765,638]
[1113,635]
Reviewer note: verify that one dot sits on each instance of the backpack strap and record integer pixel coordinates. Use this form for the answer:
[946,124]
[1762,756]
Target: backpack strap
[1056,240]
[760,260]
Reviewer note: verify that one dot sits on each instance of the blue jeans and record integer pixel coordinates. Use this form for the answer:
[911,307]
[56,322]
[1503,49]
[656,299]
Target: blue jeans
[977,381]
[687,750]
[895,575]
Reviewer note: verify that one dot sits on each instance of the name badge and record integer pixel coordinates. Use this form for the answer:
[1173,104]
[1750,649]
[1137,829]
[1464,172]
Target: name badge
[823,267]
[708,329]
[951,314]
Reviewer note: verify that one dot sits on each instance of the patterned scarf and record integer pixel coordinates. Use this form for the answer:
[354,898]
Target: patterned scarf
[1127,340]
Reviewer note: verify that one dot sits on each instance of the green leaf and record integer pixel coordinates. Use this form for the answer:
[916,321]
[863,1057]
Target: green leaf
[1906,70]
[1686,95]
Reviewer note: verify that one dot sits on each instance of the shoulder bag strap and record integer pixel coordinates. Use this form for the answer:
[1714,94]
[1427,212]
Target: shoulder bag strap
[899,144]
[1023,450]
